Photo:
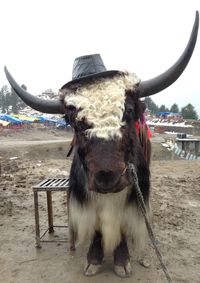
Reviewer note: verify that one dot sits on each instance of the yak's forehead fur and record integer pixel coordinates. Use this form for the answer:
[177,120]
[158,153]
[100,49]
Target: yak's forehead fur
[101,103]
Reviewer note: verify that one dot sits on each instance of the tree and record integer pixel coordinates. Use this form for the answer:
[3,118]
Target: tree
[16,102]
[10,101]
[151,105]
[188,112]
[174,108]
[163,108]
[5,99]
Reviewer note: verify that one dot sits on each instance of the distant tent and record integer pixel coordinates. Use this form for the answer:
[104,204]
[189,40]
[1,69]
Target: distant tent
[19,119]
[50,120]
[167,114]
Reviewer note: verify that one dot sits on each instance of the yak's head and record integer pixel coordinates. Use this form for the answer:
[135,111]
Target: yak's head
[103,112]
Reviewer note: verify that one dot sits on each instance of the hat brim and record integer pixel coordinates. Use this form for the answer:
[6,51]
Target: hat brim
[88,77]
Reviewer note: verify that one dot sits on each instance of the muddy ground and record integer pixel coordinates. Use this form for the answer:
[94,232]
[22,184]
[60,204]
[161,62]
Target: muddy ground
[41,154]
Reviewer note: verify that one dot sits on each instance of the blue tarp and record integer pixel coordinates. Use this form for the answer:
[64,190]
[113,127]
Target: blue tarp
[62,122]
[10,118]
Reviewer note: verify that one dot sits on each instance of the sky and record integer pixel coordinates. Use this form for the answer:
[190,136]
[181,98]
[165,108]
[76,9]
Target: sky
[41,38]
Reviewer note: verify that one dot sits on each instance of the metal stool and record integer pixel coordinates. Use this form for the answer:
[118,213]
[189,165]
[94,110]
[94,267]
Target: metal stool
[48,186]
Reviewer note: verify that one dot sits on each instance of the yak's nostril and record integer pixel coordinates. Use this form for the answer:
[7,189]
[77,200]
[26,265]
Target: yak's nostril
[106,178]
[104,175]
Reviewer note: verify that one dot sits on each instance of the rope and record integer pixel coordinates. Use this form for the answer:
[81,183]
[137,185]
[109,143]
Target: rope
[142,205]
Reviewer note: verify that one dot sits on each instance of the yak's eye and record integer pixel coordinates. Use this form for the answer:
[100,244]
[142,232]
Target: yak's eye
[81,126]
[70,109]
[70,114]
[130,109]
[129,112]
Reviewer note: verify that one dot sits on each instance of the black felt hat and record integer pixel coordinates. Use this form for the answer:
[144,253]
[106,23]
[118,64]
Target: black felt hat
[87,67]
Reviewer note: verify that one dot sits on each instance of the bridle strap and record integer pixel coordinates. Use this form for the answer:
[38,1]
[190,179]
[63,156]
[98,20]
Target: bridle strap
[73,142]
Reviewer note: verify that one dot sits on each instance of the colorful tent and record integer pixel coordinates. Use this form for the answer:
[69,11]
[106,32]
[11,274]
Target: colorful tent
[19,119]
[25,118]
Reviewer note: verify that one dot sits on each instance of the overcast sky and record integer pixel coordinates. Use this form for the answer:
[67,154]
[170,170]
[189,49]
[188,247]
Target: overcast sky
[40,40]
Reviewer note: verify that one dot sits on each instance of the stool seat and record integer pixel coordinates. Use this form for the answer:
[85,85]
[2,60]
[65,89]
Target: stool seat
[48,185]
[52,184]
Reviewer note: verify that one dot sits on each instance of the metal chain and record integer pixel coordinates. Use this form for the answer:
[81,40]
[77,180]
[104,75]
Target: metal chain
[142,205]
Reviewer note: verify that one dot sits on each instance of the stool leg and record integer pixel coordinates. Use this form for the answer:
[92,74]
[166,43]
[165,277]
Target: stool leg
[50,212]
[37,222]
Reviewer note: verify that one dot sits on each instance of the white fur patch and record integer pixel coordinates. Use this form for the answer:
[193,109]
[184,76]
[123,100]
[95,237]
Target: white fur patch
[109,214]
[101,103]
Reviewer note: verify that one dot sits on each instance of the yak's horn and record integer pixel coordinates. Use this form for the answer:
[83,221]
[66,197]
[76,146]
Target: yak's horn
[42,105]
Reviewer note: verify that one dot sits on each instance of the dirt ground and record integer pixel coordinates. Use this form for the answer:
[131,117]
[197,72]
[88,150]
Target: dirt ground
[27,157]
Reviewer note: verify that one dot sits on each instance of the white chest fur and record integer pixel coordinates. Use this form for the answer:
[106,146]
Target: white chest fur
[111,215]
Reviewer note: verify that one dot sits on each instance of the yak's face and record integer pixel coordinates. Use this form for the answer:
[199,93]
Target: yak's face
[102,114]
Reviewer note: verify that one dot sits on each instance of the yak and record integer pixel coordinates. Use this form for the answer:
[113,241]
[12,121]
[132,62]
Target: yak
[105,110]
